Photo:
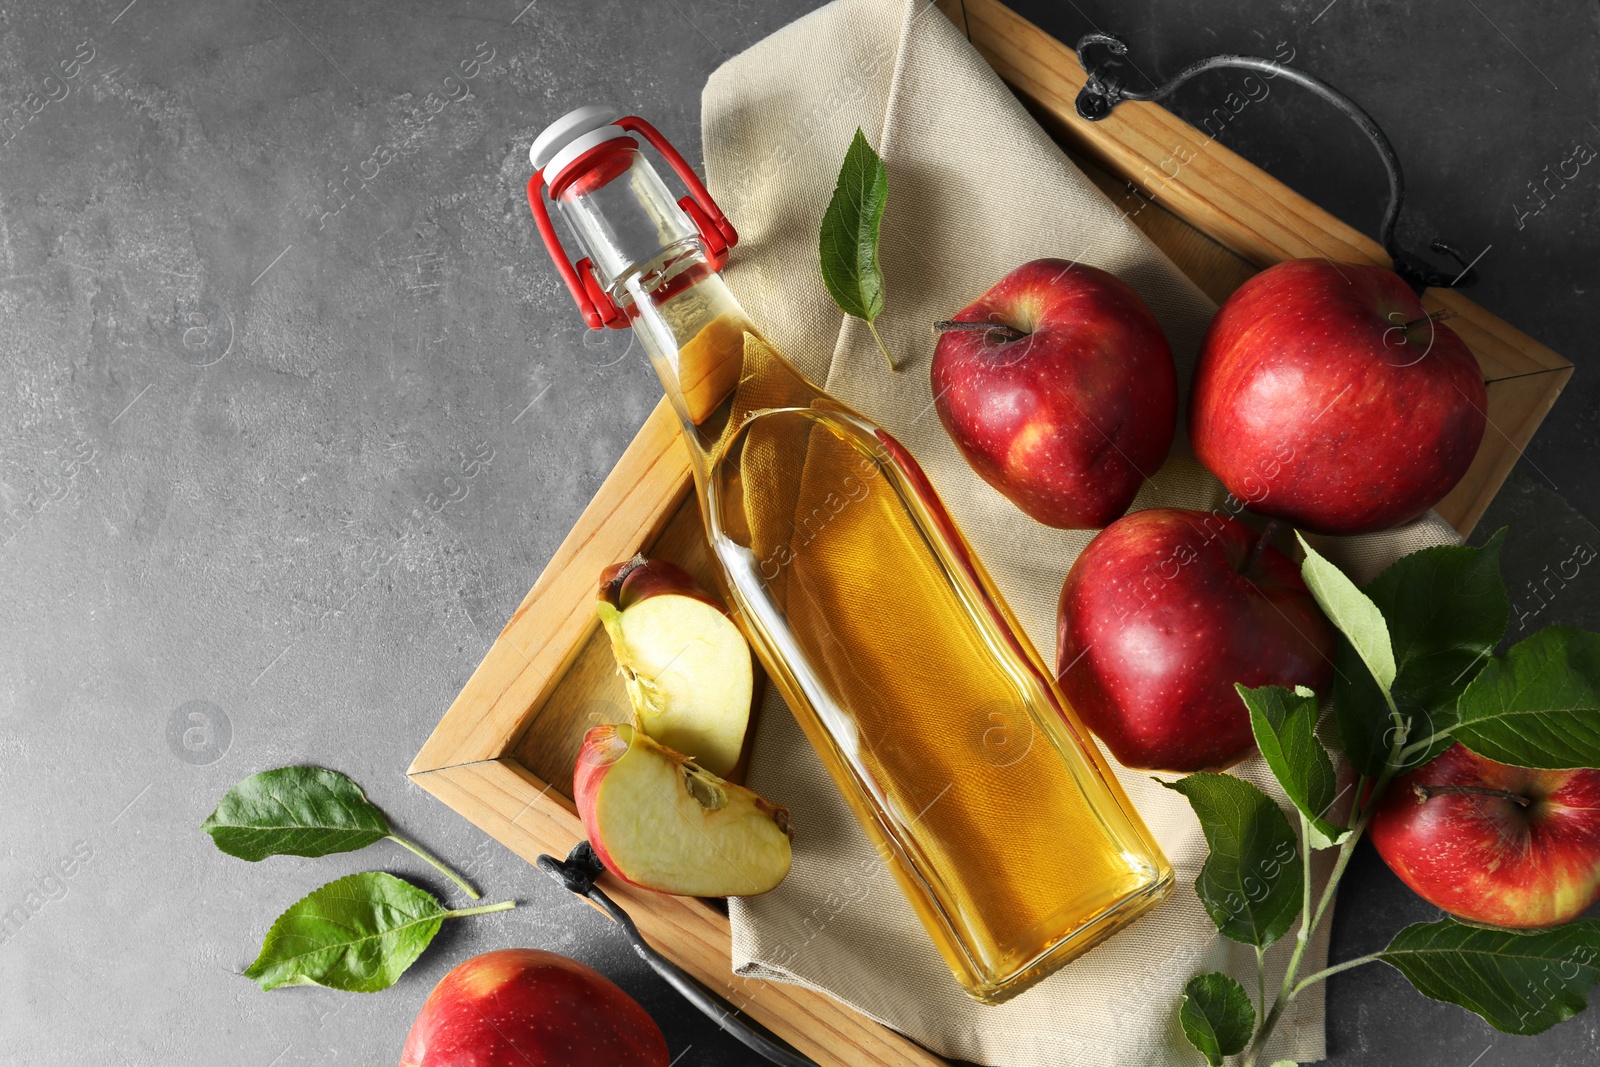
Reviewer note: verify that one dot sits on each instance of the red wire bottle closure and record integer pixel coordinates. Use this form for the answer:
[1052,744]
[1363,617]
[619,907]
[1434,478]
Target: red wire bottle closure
[595,165]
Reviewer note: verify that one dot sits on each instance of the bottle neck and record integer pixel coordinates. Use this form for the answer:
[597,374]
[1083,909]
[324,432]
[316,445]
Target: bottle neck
[649,257]
[693,330]
[622,214]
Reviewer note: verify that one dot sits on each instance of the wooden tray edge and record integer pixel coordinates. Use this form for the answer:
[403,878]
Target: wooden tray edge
[523,813]
[463,759]
[516,676]
[1217,191]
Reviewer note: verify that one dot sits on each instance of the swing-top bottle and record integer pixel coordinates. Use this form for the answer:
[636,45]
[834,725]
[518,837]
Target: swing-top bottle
[935,716]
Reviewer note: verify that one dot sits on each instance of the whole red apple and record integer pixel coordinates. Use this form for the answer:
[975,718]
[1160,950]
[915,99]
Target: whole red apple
[1325,396]
[531,1008]
[1505,846]
[1069,402]
[1161,615]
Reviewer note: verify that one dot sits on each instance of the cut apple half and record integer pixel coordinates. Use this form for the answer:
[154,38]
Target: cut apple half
[659,821]
[685,664]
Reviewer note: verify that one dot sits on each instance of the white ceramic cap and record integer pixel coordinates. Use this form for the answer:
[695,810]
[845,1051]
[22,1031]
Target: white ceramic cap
[571,135]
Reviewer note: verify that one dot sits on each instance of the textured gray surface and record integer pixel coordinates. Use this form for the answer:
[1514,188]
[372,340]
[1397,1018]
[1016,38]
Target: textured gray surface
[285,459]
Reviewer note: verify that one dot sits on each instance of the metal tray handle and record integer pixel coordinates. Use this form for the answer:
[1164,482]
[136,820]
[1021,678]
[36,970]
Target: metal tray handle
[1104,90]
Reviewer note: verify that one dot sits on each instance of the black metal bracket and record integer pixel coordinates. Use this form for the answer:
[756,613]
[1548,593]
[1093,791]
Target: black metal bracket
[578,873]
[1104,90]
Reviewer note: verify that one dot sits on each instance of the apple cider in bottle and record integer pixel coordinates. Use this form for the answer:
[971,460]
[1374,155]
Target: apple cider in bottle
[945,732]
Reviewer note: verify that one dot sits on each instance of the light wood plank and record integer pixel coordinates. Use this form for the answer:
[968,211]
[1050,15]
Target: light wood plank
[1239,204]
[955,11]
[1217,270]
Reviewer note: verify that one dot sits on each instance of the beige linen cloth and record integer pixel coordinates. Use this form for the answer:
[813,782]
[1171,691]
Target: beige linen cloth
[976,188]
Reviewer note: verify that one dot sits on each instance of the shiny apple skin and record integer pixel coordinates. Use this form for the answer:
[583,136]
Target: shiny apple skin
[1157,623]
[1487,859]
[1070,420]
[1313,407]
[625,584]
[531,1008]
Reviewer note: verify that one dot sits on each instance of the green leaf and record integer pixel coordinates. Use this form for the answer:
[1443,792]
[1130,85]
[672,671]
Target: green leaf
[1366,728]
[1284,722]
[358,933]
[1250,883]
[1352,611]
[1216,1016]
[1446,608]
[295,811]
[849,239]
[1539,704]
[1521,983]
[305,811]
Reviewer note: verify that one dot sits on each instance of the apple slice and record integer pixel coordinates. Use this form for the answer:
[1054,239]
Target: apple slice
[661,822]
[685,664]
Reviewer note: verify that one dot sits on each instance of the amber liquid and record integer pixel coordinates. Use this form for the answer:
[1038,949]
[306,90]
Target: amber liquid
[930,709]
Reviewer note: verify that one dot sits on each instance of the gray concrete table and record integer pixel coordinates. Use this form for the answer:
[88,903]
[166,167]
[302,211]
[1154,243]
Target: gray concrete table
[293,410]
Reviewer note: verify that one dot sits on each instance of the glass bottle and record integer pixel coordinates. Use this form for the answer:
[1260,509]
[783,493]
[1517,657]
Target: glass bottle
[935,716]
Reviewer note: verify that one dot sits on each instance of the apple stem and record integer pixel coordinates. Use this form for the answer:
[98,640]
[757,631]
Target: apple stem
[1428,319]
[1267,535]
[881,348]
[1007,333]
[1426,793]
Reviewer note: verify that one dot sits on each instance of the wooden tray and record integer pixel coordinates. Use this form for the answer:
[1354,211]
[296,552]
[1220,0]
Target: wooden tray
[502,755]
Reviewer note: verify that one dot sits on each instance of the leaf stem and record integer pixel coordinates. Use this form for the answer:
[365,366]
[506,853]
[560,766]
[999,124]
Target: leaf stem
[1309,922]
[1346,851]
[482,909]
[1267,1026]
[1335,969]
[407,843]
[1304,933]
[1261,982]
[1421,746]
[881,347]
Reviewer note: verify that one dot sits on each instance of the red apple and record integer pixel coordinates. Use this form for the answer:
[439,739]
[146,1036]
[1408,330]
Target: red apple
[1325,396]
[1161,615]
[534,1009]
[1069,402]
[1493,844]
[657,820]
[686,666]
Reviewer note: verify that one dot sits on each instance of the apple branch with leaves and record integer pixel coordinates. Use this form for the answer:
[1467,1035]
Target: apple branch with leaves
[1416,674]
[358,933]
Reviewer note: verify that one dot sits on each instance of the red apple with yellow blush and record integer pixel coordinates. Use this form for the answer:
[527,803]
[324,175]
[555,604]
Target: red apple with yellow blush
[1059,388]
[1494,844]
